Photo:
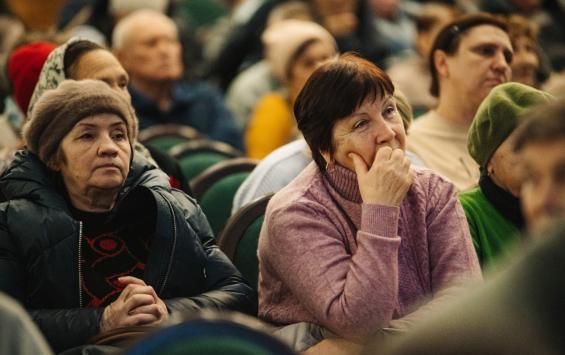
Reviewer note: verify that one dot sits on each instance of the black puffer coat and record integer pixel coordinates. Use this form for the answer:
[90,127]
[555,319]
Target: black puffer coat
[39,251]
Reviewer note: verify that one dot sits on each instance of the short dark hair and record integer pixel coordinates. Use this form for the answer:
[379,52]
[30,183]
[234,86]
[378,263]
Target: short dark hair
[334,91]
[75,51]
[545,123]
[449,38]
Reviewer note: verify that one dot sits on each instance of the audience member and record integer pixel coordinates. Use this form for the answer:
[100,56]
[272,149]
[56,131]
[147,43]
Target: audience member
[285,163]
[411,74]
[23,66]
[526,64]
[242,47]
[493,209]
[469,57]
[517,311]
[360,237]
[146,43]
[258,79]
[394,25]
[351,24]
[81,59]
[546,15]
[293,48]
[140,249]
[540,143]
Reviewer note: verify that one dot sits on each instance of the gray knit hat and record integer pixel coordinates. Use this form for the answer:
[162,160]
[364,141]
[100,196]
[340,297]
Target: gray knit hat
[58,111]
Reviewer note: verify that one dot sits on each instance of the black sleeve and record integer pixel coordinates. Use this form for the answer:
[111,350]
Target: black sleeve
[225,286]
[63,328]
[67,328]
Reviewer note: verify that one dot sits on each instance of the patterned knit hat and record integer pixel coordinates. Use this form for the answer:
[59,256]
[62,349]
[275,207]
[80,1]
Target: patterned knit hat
[497,117]
[59,110]
[24,67]
[282,39]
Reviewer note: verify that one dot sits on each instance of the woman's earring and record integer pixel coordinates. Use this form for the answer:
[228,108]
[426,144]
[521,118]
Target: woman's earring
[330,164]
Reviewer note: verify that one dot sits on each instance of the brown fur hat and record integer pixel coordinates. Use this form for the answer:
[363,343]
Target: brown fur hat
[59,110]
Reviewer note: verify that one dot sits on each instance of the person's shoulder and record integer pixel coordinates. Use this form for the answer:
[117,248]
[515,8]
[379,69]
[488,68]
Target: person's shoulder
[430,183]
[273,100]
[195,90]
[303,190]
[473,200]
[423,121]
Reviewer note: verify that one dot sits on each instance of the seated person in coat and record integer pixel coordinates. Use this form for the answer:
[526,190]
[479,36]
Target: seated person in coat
[92,237]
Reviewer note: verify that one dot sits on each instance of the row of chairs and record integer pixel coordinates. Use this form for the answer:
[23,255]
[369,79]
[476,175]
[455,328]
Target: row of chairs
[215,171]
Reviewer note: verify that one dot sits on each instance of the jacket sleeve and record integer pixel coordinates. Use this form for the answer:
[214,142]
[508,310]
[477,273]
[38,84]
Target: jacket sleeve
[225,286]
[67,328]
[63,328]
[350,294]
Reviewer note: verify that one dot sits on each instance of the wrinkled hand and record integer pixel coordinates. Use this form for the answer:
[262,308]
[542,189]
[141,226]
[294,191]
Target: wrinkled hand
[138,304]
[387,181]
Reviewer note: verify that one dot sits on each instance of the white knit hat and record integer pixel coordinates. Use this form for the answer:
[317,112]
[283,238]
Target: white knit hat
[282,39]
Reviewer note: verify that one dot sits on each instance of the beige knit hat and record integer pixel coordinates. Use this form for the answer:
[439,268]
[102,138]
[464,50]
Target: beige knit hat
[282,39]
[57,111]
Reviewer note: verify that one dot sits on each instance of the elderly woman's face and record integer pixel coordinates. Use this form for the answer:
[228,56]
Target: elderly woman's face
[504,169]
[373,125]
[96,154]
[102,65]
[525,63]
[306,63]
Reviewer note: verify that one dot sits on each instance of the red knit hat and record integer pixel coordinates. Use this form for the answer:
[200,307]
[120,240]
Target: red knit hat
[24,67]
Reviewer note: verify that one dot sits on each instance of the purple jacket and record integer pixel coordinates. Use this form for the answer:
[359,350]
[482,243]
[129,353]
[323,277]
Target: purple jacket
[327,258]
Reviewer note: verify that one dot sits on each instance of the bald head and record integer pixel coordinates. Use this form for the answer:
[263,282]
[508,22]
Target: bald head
[146,43]
[129,25]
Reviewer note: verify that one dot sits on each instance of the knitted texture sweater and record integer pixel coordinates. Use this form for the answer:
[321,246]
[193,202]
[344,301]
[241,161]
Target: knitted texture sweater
[327,258]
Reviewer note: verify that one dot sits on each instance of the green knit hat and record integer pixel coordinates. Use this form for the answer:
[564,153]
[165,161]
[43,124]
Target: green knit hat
[499,114]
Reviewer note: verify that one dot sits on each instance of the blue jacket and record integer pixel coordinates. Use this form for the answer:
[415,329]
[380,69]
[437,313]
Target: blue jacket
[39,252]
[195,105]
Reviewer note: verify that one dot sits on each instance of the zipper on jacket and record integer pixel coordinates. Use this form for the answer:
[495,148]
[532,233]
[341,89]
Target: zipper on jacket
[80,264]
[169,266]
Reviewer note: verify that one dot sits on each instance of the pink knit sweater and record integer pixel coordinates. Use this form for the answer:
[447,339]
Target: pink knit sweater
[327,258]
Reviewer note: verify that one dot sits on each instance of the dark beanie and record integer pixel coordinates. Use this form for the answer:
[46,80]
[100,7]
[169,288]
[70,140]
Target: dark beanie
[497,117]
[57,111]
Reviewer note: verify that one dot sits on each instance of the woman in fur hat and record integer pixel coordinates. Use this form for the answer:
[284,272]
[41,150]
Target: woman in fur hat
[93,238]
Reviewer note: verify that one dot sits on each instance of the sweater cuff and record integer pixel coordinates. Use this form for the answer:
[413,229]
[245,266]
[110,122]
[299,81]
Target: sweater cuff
[380,220]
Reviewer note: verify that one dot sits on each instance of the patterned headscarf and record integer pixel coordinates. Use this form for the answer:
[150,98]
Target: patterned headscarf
[52,74]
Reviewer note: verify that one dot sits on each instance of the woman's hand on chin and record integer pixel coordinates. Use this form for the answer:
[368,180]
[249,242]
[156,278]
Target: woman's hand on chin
[138,304]
[387,180]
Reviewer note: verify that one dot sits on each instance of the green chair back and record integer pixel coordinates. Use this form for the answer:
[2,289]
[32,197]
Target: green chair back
[245,258]
[194,164]
[216,202]
[240,238]
[166,143]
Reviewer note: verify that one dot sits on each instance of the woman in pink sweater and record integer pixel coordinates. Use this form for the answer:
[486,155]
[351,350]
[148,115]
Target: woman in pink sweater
[360,237]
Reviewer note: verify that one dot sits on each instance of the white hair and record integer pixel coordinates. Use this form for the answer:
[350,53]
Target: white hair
[123,30]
